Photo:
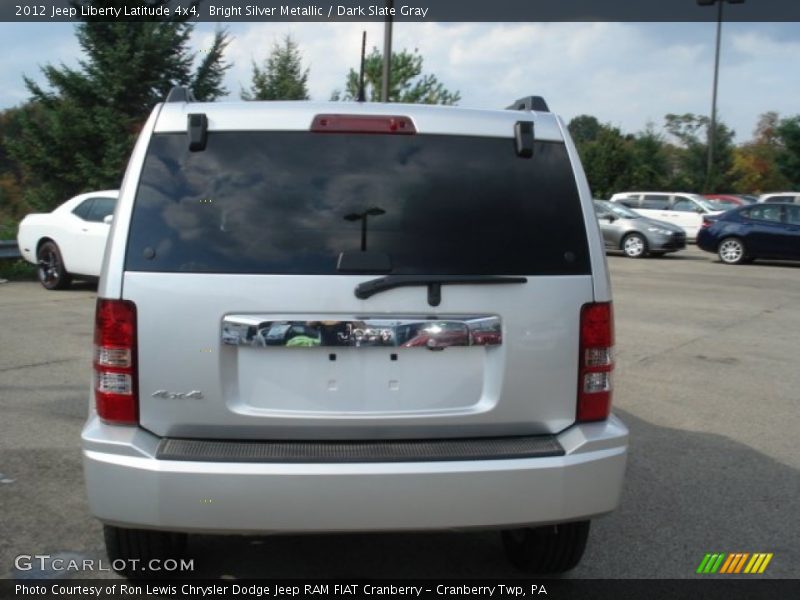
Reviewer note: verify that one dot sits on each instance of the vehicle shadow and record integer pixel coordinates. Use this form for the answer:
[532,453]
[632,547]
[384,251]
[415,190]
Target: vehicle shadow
[686,494]
[84,285]
[770,263]
[669,256]
[681,255]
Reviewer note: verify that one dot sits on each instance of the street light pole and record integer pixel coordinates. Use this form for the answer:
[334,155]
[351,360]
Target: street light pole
[362,216]
[387,51]
[712,131]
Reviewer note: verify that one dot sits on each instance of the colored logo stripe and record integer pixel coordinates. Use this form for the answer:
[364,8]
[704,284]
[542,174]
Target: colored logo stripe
[711,563]
[734,563]
[758,563]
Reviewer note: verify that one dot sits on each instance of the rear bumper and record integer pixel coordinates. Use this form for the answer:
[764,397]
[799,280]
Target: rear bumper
[127,486]
[705,241]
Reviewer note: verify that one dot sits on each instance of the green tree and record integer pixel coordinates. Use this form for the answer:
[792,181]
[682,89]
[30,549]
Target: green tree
[607,155]
[690,157]
[650,160]
[608,162]
[584,128]
[281,77]
[12,205]
[76,134]
[407,82]
[755,164]
[788,159]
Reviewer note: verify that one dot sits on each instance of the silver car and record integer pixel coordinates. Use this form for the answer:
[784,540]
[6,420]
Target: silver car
[334,317]
[635,235]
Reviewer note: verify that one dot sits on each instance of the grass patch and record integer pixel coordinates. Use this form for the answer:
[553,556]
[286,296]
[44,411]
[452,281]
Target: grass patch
[17,269]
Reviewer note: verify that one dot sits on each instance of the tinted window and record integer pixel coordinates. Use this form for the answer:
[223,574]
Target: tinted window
[629,201]
[684,205]
[793,215]
[101,208]
[781,199]
[765,213]
[83,209]
[655,201]
[289,202]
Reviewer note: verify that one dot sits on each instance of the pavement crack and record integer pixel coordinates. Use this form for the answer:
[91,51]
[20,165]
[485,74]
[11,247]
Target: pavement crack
[39,364]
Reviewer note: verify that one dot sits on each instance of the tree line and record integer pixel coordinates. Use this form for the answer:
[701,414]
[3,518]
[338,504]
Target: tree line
[677,160]
[75,133]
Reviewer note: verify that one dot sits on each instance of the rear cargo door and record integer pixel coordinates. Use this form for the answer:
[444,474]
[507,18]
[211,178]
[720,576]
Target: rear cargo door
[299,285]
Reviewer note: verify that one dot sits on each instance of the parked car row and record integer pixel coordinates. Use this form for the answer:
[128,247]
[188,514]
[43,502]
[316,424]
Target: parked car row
[737,228]
[684,210]
[71,239]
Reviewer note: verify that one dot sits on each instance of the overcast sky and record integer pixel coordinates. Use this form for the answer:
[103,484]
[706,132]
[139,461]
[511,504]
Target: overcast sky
[626,74]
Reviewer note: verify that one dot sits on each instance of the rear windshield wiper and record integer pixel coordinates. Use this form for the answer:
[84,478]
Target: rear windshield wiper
[434,282]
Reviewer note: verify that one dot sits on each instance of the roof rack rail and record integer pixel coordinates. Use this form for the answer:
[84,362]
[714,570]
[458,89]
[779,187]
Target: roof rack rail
[180,94]
[536,103]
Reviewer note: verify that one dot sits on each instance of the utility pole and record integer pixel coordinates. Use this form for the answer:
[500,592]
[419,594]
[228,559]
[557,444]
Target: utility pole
[712,131]
[387,51]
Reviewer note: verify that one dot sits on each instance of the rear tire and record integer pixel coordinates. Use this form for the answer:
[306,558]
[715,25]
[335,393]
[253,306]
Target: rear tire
[50,271]
[634,245]
[732,251]
[546,550]
[142,545]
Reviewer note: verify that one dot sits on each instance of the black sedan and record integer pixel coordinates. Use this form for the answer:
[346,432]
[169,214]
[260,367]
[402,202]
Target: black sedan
[743,234]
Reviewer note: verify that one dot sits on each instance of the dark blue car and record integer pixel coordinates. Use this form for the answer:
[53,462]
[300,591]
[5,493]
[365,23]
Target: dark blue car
[756,231]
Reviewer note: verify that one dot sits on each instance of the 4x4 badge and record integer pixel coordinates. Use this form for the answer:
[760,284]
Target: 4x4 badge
[194,394]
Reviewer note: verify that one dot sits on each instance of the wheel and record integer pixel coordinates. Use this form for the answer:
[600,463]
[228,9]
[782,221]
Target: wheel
[731,251]
[546,550]
[51,272]
[131,550]
[634,245]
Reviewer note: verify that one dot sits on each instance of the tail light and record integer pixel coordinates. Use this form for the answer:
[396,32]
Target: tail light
[596,361]
[706,223]
[115,392]
[363,124]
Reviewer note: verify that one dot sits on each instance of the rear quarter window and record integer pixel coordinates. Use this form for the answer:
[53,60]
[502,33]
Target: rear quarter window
[83,209]
[655,202]
[765,213]
[291,202]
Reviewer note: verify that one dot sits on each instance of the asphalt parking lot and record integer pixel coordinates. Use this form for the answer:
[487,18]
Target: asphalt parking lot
[708,380]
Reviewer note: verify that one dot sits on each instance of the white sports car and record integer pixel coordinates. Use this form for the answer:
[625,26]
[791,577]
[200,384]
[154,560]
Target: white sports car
[70,240]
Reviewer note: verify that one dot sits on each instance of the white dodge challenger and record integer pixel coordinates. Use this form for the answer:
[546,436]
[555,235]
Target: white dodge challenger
[70,240]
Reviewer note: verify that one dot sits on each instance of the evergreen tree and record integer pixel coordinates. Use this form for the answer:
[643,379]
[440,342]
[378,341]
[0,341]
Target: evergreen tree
[77,133]
[407,82]
[788,158]
[650,161]
[281,77]
[608,162]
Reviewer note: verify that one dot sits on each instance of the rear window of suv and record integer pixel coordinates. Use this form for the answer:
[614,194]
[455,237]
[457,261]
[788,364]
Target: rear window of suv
[291,202]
